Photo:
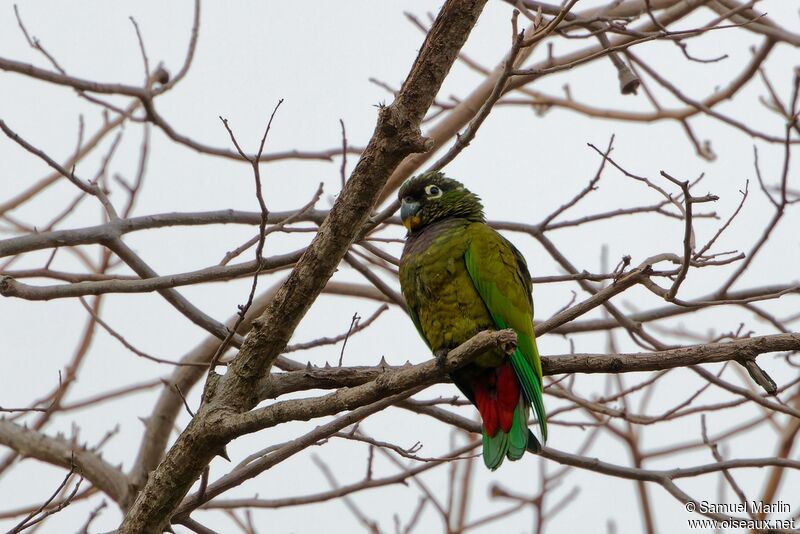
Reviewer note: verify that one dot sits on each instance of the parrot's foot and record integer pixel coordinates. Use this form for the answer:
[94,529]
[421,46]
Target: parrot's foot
[441,357]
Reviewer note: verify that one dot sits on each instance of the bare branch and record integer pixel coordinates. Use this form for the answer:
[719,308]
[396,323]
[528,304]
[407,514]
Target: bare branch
[61,452]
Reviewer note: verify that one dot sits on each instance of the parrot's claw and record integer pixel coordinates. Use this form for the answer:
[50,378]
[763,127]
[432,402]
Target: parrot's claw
[441,357]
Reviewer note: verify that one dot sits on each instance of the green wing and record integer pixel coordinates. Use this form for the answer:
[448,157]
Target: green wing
[501,277]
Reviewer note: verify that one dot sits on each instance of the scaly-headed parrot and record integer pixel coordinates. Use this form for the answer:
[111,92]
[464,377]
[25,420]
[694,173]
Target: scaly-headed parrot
[459,277]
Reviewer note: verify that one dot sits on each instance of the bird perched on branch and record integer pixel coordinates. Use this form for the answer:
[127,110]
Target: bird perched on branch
[459,277]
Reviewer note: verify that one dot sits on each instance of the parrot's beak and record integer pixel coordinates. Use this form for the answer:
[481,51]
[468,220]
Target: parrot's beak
[408,213]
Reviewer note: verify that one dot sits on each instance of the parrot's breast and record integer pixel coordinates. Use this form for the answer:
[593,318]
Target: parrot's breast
[438,288]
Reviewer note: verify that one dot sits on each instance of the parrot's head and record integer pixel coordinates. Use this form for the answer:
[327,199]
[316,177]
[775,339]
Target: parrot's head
[431,197]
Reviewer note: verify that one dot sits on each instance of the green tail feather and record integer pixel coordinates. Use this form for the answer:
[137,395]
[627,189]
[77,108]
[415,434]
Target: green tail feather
[531,385]
[487,259]
[518,434]
[533,391]
[518,439]
[511,444]
[494,449]
[533,444]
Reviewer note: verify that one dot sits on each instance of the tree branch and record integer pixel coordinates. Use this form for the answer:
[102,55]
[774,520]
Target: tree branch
[396,135]
[63,453]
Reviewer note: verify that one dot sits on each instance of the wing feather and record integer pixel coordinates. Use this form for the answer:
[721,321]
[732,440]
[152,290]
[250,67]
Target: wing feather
[501,277]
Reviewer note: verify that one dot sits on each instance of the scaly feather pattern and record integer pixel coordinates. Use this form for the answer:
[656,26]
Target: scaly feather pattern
[458,277]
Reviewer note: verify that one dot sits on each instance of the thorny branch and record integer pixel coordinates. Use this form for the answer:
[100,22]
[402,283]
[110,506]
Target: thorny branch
[53,257]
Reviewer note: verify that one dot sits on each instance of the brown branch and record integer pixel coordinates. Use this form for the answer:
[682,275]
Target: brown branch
[82,151]
[31,518]
[160,422]
[667,359]
[69,376]
[84,186]
[734,297]
[763,25]
[517,44]
[597,299]
[369,524]
[355,327]
[376,281]
[145,96]
[113,394]
[688,236]
[779,206]
[273,456]
[116,335]
[388,383]
[262,227]
[396,136]
[279,384]
[13,288]
[63,453]
[99,234]
[85,494]
[746,393]
[276,227]
[665,477]
[466,110]
[398,478]
[700,105]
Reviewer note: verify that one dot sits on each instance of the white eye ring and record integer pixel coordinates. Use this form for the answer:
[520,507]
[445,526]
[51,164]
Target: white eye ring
[433,191]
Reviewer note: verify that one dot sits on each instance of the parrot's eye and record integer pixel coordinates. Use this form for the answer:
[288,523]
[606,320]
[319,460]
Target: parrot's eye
[408,199]
[433,191]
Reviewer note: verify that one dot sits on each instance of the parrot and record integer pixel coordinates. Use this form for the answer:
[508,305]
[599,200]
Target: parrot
[458,277]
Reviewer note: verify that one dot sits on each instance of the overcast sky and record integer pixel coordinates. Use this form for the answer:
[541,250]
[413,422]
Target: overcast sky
[318,57]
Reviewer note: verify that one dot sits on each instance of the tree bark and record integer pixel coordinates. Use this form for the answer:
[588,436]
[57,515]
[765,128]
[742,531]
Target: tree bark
[396,135]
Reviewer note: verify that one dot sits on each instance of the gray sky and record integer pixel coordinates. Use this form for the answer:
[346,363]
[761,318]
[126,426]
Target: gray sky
[319,56]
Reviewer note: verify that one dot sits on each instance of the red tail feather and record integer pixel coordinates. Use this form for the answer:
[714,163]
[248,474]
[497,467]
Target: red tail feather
[497,396]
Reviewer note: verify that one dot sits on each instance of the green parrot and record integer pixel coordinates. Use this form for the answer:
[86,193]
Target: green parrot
[459,277]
